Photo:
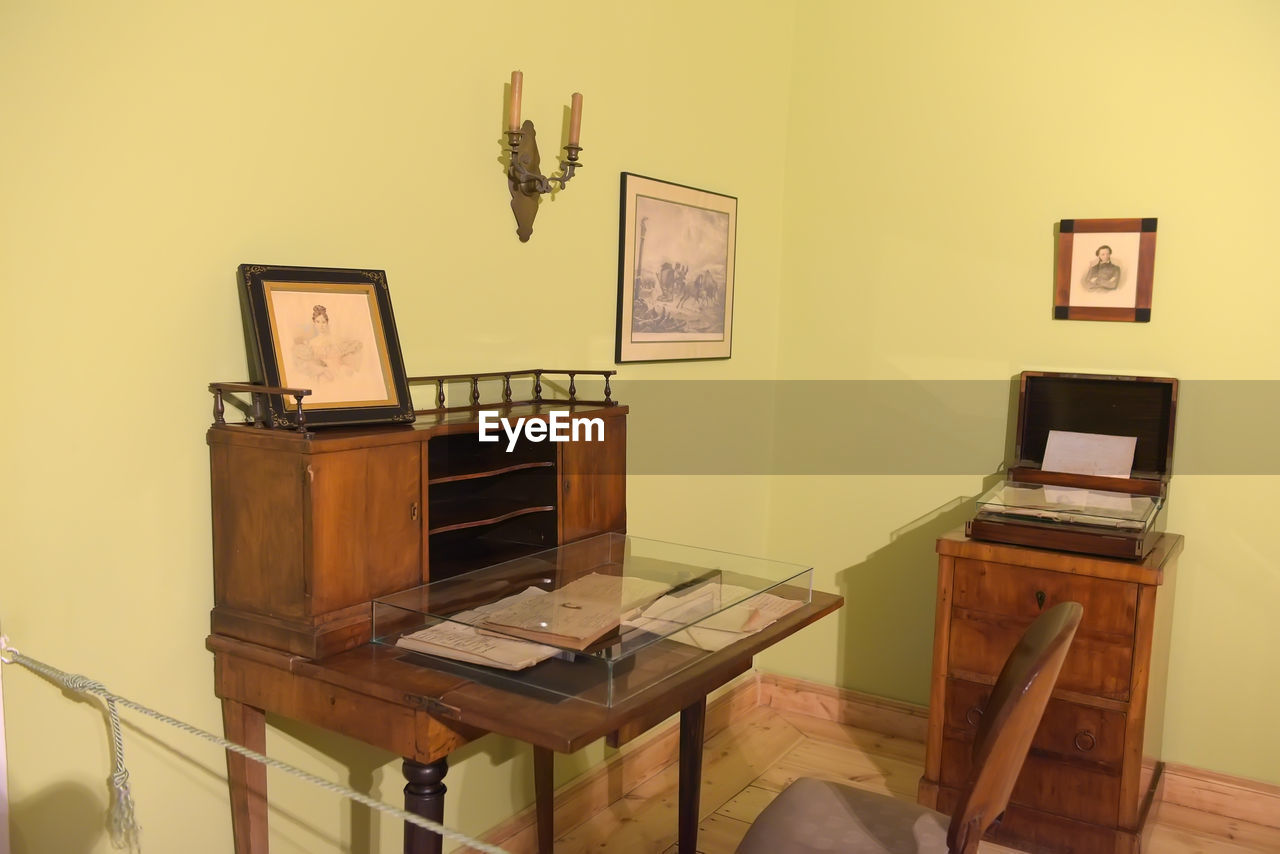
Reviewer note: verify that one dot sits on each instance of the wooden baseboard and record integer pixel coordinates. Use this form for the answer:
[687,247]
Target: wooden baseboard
[865,711]
[1205,792]
[1222,795]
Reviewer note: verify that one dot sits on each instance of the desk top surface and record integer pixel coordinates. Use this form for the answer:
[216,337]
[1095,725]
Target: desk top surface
[560,723]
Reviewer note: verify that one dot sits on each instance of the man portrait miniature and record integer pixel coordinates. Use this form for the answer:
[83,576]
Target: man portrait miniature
[1102,275]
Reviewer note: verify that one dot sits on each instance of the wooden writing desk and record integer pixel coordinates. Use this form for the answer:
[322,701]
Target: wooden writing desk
[309,528]
[374,694]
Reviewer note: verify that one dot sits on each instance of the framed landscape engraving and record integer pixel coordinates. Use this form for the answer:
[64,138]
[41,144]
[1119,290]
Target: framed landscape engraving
[1105,269]
[675,272]
[331,331]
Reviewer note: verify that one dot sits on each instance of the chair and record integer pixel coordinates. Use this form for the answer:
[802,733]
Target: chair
[820,816]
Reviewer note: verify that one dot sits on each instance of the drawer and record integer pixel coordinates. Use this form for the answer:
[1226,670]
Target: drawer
[1068,731]
[979,644]
[1055,787]
[1027,829]
[1110,607]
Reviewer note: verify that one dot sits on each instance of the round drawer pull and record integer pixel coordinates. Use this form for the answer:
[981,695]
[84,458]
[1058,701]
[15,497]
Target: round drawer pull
[1085,741]
[973,716]
[1040,597]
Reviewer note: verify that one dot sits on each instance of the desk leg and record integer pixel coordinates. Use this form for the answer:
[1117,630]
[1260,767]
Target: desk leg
[693,719]
[544,797]
[246,779]
[424,796]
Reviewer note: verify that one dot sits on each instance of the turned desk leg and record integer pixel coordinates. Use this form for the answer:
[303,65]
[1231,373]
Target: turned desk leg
[246,779]
[544,797]
[424,796]
[693,720]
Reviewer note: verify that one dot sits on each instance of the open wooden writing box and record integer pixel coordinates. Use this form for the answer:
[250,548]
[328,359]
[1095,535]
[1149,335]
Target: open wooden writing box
[1110,516]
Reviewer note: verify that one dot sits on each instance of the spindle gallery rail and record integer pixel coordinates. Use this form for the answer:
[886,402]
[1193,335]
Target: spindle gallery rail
[536,374]
[257,409]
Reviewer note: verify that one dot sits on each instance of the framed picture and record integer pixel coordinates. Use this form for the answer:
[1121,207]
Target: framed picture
[328,330]
[1104,269]
[675,272]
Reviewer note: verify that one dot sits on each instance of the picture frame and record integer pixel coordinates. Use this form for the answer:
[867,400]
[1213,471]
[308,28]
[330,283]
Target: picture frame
[676,249]
[330,330]
[1105,269]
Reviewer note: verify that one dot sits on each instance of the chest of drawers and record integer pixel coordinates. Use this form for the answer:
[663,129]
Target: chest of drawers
[1094,770]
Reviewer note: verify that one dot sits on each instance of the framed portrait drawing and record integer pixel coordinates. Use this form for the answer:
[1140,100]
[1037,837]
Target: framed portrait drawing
[1104,269]
[328,330]
[675,272]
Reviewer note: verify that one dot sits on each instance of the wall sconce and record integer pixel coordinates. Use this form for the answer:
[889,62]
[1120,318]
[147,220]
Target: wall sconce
[524,177]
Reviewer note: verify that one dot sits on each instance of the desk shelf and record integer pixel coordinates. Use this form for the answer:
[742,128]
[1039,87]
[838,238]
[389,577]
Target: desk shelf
[477,512]
[474,475]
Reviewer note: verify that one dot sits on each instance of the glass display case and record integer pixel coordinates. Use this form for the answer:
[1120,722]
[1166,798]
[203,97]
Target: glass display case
[601,619]
[1068,518]
[1071,505]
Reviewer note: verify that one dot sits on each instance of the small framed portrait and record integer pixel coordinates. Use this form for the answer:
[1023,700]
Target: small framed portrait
[330,331]
[1105,269]
[675,272]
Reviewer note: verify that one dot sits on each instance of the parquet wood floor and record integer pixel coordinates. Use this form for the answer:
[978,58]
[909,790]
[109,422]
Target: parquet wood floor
[756,756]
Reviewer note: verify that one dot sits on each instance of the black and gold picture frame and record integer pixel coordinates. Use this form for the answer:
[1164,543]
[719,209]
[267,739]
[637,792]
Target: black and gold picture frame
[675,272]
[329,330]
[1105,269]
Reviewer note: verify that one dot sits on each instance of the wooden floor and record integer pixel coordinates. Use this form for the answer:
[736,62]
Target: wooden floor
[755,757]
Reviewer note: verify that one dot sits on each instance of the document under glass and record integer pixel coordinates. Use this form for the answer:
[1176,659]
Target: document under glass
[1071,505]
[601,619]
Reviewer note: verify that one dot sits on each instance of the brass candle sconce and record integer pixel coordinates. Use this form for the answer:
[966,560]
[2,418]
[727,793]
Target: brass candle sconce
[524,175]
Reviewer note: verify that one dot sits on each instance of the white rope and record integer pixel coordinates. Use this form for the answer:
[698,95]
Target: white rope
[124,828]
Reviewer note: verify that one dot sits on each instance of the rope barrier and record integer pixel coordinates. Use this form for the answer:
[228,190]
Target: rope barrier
[125,832]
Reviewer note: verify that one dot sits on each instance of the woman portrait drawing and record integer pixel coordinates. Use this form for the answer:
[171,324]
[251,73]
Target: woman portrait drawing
[330,341]
[321,355]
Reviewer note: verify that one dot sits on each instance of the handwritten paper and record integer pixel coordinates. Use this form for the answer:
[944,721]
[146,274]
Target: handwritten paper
[699,618]
[1089,453]
[458,639]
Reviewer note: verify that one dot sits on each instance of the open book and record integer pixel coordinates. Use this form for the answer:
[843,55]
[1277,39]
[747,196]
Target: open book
[458,639]
[577,614]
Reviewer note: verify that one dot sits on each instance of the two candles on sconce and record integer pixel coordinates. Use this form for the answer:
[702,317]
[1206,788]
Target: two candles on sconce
[575,112]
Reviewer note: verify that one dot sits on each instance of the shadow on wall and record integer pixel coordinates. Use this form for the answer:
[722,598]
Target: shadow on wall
[886,644]
[65,817]
[364,764]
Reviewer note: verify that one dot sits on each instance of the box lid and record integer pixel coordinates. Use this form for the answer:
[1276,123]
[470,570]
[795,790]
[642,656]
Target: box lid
[1142,407]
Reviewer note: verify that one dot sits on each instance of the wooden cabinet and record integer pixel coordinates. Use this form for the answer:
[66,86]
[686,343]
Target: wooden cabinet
[309,527]
[591,483]
[1094,769]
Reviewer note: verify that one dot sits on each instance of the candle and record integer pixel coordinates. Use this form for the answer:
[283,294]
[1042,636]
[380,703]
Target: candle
[575,119]
[513,117]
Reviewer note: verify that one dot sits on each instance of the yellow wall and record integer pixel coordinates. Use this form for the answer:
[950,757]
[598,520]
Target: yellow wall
[922,250]
[149,148]
[899,169]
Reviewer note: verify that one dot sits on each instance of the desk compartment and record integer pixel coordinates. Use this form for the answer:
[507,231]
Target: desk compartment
[1095,665]
[1055,787]
[994,603]
[1071,732]
[1041,832]
[1110,607]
